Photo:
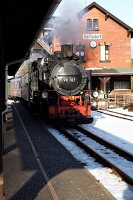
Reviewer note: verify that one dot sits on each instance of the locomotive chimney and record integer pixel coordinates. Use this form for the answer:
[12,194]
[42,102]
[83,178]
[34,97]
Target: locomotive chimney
[66,50]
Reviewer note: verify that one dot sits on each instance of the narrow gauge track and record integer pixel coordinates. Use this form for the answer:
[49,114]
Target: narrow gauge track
[118,150]
[117,114]
[100,157]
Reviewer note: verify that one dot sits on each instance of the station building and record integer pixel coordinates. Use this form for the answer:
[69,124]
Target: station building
[107,43]
[103,42]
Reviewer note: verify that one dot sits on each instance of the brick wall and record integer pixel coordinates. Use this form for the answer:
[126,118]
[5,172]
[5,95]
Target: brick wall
[112,33]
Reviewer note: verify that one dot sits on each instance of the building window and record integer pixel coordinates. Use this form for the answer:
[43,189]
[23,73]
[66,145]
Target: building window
[95,24]
[92,24]
[89,24]
[104,53]
[121,85]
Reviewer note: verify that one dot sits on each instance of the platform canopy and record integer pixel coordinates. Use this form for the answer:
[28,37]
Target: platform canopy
[21,23]
[112,71]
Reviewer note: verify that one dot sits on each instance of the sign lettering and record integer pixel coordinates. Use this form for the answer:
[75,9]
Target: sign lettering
[92,36]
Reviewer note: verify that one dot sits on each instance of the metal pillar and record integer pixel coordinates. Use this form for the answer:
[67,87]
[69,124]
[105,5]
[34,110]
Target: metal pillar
[2,108]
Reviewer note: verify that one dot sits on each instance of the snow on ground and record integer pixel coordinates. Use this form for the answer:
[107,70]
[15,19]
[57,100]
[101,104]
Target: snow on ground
[121,110]
[118,131]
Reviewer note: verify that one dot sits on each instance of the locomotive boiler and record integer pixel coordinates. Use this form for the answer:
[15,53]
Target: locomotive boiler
[55,86]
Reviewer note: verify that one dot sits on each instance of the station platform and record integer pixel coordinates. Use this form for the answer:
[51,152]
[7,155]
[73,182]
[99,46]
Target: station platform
[62,176]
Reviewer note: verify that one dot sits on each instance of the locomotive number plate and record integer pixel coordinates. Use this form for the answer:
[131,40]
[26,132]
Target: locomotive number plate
[70,80]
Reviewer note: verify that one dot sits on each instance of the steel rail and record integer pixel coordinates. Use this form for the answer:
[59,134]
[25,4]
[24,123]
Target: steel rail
[101,159]
[118,150]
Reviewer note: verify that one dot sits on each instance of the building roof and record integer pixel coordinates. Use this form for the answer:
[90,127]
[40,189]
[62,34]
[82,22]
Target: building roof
[111,71]
[107,15]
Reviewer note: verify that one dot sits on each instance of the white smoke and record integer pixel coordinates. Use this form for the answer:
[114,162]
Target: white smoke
[67,27]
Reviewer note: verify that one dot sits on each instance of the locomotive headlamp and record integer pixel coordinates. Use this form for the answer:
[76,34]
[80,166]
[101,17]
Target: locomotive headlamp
[73,97]
[44,95]
[95,94]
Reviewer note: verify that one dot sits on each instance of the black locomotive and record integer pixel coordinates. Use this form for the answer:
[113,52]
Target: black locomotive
[55,86]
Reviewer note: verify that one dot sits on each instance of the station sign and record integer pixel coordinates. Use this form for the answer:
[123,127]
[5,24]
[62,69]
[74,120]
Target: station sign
[92,36]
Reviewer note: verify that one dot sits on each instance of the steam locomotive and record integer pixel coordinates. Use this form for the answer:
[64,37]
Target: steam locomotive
[55,86]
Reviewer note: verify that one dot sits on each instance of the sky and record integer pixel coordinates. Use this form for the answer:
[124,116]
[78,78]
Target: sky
[116,131]
[122,9]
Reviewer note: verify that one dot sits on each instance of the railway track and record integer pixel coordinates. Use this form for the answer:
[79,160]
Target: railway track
[104,152]
[117,114]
